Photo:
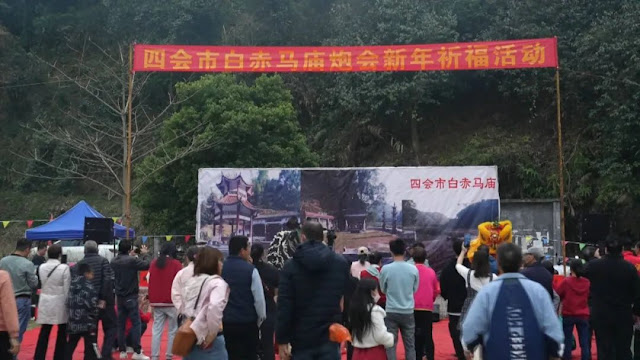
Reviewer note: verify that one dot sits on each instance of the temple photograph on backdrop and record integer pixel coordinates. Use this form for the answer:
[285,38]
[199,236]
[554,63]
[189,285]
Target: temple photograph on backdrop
[364,206]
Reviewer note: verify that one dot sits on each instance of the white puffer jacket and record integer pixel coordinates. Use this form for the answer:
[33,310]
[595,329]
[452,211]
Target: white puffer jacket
[377,334]
[52,305]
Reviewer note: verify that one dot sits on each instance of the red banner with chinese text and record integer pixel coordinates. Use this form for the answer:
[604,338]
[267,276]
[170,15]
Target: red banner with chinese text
[515,54]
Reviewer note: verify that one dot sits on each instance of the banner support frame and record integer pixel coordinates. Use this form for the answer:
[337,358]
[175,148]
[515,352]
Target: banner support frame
[127,210]
[561,171]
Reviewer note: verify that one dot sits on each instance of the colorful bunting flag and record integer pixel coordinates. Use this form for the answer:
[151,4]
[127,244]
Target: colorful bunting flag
[581,246]
[29,223]
[5,224]
[144,239]
[115,219]
[186,238]
[169,237]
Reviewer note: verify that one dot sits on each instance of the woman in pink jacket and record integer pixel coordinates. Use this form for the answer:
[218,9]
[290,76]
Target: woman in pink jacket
[428,291]
[205,297]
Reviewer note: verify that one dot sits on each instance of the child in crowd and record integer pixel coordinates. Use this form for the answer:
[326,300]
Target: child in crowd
[574,293]
[144,324]
[370,335]
[83,314]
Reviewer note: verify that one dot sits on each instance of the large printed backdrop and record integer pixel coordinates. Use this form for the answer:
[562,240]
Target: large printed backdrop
[366,206]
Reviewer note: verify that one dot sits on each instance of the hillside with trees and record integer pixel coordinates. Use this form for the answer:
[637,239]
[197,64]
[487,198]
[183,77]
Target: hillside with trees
[63,87]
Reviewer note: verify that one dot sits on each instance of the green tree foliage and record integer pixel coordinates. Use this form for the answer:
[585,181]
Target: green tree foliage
[246,125]
[505,118]
[282,193]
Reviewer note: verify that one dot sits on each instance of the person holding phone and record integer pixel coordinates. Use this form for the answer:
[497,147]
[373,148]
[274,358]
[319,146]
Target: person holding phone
[453,289]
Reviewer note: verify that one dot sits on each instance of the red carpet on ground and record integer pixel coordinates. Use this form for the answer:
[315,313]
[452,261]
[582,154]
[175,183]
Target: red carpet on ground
[444,347]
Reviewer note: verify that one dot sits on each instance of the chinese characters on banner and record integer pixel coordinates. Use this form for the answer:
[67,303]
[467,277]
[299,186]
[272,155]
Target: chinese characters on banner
[454,183]
[533,53]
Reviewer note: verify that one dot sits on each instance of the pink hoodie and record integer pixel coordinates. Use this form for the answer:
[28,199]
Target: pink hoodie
[428,288]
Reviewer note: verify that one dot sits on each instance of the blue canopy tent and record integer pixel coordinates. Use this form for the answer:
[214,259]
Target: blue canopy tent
[70,225]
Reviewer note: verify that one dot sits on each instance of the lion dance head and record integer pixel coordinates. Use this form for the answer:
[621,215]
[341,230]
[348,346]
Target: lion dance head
[491,234]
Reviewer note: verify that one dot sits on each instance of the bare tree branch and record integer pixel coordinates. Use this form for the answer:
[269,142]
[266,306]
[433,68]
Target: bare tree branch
[93,131]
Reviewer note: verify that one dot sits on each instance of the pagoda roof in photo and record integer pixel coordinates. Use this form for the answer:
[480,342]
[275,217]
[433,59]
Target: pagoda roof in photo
[310,214]
[232,199]
[229,184]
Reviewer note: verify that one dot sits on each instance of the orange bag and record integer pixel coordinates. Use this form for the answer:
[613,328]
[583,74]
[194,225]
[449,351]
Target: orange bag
[339,333]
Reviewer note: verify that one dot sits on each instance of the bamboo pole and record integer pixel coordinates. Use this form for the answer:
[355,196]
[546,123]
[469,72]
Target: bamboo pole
[561,172]
[127,215]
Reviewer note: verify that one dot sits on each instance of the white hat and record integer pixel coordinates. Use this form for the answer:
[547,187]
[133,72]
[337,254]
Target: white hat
[362,250]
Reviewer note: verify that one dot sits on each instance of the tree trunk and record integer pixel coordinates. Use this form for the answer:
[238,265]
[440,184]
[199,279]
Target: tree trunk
[123,117]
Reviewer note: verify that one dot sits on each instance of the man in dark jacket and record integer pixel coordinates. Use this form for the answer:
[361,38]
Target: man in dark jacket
[246,307]
[103,283]
[125,269]
[312,287]
[615,295]
[534,270]
[454,290]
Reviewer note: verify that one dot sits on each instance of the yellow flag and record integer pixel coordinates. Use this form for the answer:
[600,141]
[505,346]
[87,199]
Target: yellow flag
[169,237]
[5,224]
[115,219]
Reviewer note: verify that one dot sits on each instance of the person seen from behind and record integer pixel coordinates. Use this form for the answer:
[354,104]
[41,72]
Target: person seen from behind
[357,267]
[312,287]
[23,279]
[246,309]
[102,282]
[205,297]
[454,290]
[9,324]
[182,278]
[144,324]
[399,281]
[83,309]
[615,299]
[37,260]
[125,268]
[373,272]
[428,291]
[55,279]
[574,294]
[629,255]
[475,278]
[513,317]
[270,278]
[411,249]
[535,270]
[368,331]
[162,272]
[284,244]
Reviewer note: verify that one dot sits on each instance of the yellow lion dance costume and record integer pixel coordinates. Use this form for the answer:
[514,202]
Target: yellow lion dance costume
[491,234]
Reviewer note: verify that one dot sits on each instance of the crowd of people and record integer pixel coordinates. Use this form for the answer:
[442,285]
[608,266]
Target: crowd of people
[512,306]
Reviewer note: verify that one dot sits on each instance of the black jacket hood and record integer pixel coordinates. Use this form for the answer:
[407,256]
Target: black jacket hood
[313,256]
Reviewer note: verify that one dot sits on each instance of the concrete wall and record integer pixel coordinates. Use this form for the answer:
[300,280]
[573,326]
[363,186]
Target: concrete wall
[534,220]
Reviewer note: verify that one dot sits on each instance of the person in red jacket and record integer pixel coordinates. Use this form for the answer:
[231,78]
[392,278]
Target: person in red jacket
[373,272]
[630,256]
[144,323]
[161,274]
[574,293]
